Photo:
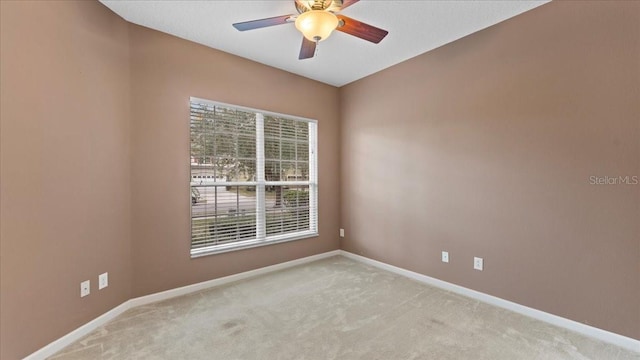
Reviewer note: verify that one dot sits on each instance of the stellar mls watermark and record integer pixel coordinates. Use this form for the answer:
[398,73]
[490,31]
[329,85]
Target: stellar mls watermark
[614,180]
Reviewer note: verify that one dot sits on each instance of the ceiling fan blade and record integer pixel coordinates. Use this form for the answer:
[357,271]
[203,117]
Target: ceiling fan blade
[360,29]
[257,24]
[308,49]
[347,3]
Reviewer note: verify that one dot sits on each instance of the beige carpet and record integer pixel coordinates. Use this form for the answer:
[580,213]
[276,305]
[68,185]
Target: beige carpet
[331,309]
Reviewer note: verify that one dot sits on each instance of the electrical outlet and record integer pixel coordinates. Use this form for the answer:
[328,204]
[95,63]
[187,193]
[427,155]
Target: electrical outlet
[478,263]
[445,256]
[103,281]
[85,288]
[341,232]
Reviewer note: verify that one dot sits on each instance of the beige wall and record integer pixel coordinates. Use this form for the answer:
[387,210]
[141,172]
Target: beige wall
[166,71]
[95,163]
[65,168]
[484,147]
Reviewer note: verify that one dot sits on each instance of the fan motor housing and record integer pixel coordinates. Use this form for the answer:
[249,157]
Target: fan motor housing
[306,5]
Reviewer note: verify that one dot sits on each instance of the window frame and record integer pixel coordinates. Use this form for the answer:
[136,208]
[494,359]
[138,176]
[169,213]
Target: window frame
[260,184]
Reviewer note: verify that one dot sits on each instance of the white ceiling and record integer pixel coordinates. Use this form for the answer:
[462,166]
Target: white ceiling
[414,27]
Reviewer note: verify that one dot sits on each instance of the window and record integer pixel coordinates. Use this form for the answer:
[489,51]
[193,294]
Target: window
[253,178]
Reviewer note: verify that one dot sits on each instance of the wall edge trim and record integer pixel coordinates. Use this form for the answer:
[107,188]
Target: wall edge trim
[587,330]
[583,329]
[59,344]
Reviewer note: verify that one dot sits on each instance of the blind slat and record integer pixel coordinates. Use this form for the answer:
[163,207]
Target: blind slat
[224,160]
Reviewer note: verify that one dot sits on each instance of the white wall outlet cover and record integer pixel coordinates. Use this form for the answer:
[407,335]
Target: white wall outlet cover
[478,263]
[103,281]
[85,288]
[445,256]
[341,232]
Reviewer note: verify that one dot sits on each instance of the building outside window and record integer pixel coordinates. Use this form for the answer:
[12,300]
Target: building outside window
[253,177]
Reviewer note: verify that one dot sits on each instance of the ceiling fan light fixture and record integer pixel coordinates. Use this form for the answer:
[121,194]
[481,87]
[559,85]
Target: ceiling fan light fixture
[316,25]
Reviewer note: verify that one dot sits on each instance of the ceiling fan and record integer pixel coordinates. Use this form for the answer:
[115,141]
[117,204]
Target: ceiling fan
[316,19]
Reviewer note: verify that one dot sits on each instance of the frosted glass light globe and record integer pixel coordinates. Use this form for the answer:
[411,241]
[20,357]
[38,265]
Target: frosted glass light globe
[316,25]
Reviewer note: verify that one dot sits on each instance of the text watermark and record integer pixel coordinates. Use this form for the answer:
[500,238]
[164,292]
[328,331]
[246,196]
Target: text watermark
[614,180]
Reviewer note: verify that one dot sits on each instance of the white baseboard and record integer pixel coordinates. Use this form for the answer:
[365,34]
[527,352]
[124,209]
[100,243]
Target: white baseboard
[148,299]
[61,343]
[593,332]
[78,333]
[606,336]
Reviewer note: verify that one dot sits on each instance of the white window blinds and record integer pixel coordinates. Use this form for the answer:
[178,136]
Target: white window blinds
[253,177]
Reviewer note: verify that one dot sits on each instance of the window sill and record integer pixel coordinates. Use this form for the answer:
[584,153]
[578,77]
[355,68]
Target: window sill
[241,245]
